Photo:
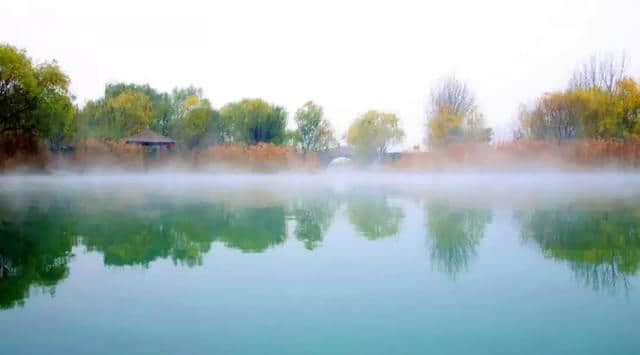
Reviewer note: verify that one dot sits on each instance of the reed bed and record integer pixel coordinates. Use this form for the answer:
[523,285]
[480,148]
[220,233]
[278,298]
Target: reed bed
[260,157]
[526,154]
[18,154]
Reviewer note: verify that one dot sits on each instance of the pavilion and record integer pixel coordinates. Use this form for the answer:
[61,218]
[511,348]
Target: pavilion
[150,138]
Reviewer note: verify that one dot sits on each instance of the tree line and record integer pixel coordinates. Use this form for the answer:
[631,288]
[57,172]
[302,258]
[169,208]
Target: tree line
[601,246]
[36,105]
[601,102]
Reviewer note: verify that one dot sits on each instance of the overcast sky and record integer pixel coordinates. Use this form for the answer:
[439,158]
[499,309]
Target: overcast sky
[348,56]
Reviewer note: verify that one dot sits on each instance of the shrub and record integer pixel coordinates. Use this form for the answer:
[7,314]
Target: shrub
[527,154]
[258,157]
[22,153]
[92,152]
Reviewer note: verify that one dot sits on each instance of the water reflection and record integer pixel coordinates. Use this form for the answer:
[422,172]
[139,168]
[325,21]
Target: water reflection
[138,235]
[141,234]
[313,218]
[36,242]
[253,229]
[373,216]
[454,234]
[35,248]
[602,247]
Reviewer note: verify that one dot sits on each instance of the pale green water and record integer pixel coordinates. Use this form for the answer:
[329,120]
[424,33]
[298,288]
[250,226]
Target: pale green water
[320,265]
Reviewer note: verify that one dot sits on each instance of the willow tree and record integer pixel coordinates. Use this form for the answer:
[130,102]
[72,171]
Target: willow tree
[161,103]
[198,124]
[313,132]
[116,117]
[253,121]
[373,133]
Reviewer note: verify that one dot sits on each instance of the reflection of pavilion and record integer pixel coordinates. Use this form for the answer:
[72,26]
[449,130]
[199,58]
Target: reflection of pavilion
[5,266]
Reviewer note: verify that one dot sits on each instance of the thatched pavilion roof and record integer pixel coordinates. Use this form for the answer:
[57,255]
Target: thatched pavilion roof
[149,137]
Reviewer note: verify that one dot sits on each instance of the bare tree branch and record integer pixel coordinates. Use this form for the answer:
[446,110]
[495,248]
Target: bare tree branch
[599,71]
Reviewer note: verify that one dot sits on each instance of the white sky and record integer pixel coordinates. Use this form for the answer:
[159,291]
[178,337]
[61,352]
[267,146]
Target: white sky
[347,56]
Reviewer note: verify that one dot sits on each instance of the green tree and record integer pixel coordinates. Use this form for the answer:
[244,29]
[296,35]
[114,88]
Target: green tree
[125,115]
[627,108]
[54,113]
[117,117]
[373,133]
[253,121]
[86,122]
[126,109]
[19,89]
[184,99]
[195,122]
[161,103]
[199,124]
[313,132]
[34,99]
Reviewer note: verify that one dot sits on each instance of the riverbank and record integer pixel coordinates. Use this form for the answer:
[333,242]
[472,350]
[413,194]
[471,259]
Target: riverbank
[92,155]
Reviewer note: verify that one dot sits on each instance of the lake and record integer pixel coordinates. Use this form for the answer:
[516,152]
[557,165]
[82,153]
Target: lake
[452,263]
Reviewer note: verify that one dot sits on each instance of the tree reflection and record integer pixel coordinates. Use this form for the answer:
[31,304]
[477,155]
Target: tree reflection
[183,233]
[35,249]
[36,242]
[455,234]
[601,247]
[254,229]
[373,216]
[313,218]
[140,234]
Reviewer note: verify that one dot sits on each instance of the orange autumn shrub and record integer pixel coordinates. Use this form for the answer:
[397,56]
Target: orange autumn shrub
[527,154]
[450,156]
[25,162]
[602,153]
[259,157]
[22,154]
[19,153]
[92,152]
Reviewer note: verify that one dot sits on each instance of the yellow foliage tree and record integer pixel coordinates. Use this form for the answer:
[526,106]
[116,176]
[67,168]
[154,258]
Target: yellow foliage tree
[444,127]
[373,133]
[454,115]
[593,113]
[132,111]
[628,107]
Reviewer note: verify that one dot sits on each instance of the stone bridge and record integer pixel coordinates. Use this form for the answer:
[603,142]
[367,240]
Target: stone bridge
[326,156]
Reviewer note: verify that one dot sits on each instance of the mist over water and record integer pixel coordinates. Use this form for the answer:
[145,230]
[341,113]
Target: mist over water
[340,263]
[484,188]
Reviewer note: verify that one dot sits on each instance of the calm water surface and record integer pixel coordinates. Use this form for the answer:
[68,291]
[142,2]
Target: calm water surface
[286,264]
